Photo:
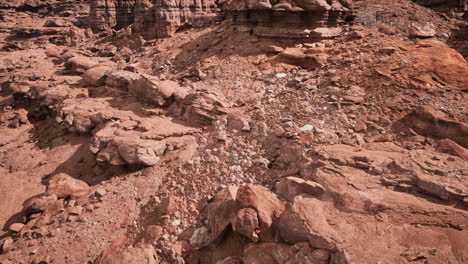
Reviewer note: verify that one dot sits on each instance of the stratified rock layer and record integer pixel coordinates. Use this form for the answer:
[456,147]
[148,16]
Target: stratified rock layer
[151,19]
[291,19]
[161,18]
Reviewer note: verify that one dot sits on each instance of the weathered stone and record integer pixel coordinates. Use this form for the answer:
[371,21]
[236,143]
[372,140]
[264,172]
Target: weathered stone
[155,91]
[304,220]
[246,223]
[296,56]
[221,210]
[267,205]
[450,147]
[290,187]
[95,76]
[16,227]
[121,79]
[64,185]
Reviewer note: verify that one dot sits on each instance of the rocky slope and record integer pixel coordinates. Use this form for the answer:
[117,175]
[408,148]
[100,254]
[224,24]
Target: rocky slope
[220,144]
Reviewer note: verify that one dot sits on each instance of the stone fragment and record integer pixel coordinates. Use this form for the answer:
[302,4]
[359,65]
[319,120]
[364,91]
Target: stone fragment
[360,126]
[64,185]
[16,227]
[429,122]
[246,223]
[425,31]
[221,210]
[290,187]
[296,56]
[75,210]
[238,122]
[271,49]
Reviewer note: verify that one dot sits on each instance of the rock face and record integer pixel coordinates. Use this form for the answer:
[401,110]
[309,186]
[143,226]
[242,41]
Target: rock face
[115,14]
[151,18]
[161,18]
[290,19]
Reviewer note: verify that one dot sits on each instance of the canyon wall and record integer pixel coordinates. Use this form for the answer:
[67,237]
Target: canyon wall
[275,18]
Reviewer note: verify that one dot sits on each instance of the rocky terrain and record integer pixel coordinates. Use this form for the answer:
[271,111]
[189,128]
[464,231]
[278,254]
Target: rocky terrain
[228,132]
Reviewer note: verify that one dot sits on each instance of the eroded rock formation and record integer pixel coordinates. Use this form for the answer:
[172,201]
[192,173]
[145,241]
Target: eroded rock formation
[292,19]
[278,18]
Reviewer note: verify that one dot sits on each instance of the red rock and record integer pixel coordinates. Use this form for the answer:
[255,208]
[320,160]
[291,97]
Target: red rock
[297,56]
[360,126]
[387,30]
[80,64]
[151,234]
[429,122]
[290,187]
[348,99]
[95,76]
[267,205]
[155,91]
[305,220]
[221,210]
[448,146]
[141,254]
[121,79]
[64,185]
[16,227]
[267,253]
[246,223]
[271,49]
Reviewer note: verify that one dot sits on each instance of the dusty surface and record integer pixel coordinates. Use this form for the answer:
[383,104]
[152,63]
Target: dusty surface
[221,145]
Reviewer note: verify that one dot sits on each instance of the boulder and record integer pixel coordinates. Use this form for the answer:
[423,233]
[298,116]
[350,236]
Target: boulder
[297,56]
[246,223]
[80,64]
[450,147]
[265,203]
[95,76]
[64,185]
[221,210]
[156,91]
[425,31]
[201,108]
[306,220]
[121,79]
[129,150]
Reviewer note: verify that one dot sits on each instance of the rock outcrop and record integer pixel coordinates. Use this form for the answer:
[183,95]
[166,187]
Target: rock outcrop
[290,19]
[160,19]
[150,18]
